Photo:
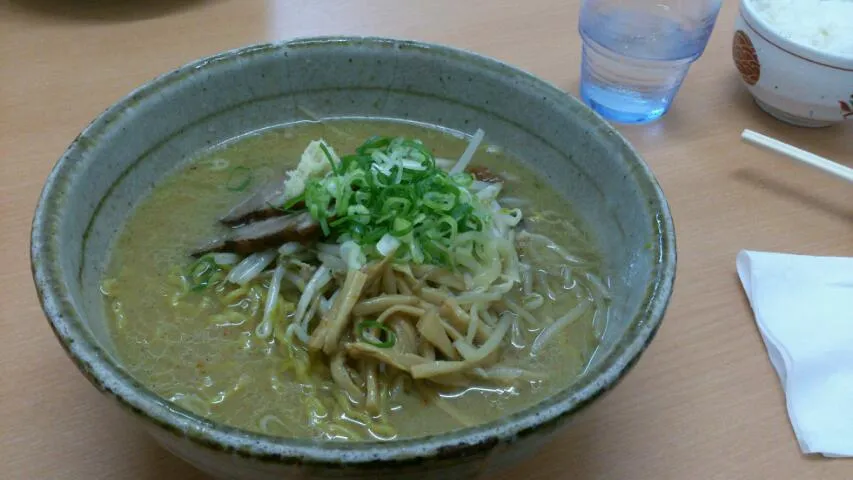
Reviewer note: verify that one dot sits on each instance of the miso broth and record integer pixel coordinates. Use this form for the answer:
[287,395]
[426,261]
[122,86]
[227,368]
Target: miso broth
[199,346]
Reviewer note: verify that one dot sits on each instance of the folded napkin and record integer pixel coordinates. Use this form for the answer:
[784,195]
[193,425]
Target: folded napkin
[804,310]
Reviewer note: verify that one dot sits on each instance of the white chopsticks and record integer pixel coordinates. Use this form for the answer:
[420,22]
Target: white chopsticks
[818,162]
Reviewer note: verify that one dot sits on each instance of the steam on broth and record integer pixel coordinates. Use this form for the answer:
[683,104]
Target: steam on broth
[384,287]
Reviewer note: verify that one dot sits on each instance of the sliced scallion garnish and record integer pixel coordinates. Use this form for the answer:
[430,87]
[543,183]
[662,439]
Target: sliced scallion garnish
[239,179]
[288,204]
[363,332]
[464,179]
[293,201]
[393,186]
[328,156]
[201,272]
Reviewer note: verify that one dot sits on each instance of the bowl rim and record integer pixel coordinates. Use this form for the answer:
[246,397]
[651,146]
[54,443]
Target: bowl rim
[63,313]
[802,51]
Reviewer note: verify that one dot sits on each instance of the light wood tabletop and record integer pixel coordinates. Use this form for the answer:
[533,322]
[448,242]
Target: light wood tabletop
[703,402]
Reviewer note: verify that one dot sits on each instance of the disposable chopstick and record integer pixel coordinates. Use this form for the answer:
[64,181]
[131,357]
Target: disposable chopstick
[824,164]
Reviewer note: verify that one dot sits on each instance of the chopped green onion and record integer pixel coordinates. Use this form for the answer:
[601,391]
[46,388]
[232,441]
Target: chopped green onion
[317,198]
[288,204]
[359,213]
[362,197]
[463,179]
[418,146]
[293,201]
[398,205]
[362,332]
[328,156]
[324,226]
[239,179]
[339,222]
[373,143]
[401,227]
[349,162]
[439,201]
[201,272]
[392,186]
[447,226]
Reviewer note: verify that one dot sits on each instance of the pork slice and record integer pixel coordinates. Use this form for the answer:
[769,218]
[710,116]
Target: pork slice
[264,234]
[259,205]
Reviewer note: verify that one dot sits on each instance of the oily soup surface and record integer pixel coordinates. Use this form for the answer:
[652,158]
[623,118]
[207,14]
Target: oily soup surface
[180,345]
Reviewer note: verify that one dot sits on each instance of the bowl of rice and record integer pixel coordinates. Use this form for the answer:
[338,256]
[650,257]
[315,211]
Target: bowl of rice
[796,58]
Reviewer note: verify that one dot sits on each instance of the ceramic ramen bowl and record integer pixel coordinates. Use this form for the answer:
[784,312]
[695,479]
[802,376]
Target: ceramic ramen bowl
[793,82]
[119,157]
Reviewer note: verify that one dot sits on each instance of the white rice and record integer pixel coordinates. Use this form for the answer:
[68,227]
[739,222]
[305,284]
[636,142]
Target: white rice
[826,25]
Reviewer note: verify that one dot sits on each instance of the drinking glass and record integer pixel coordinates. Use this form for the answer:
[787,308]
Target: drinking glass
[636,53]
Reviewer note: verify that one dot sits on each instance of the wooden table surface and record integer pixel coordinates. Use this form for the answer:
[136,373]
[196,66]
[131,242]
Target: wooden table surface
[703,403]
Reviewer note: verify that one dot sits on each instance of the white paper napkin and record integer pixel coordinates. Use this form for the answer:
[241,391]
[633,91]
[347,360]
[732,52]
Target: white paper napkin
[804,310]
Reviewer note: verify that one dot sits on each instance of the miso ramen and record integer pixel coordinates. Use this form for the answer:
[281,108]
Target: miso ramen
[355,280]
